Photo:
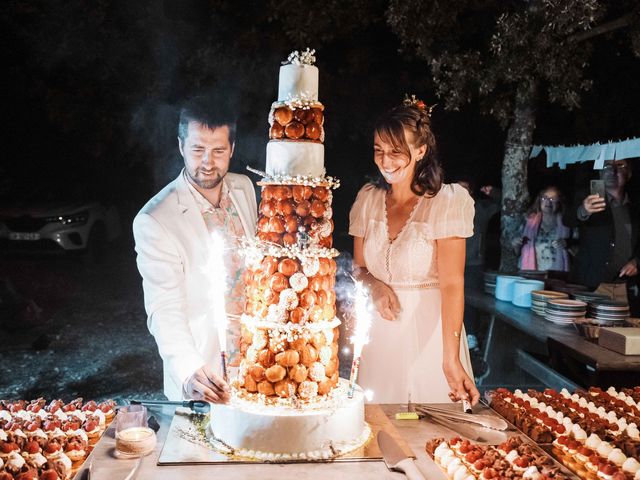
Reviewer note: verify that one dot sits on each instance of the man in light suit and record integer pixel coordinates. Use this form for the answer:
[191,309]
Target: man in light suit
[172,233]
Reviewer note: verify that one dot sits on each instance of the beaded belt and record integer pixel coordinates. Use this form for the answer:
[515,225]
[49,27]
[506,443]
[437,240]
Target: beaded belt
[416,286]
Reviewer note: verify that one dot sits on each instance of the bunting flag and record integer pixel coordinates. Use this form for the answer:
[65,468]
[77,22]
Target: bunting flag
[597,152]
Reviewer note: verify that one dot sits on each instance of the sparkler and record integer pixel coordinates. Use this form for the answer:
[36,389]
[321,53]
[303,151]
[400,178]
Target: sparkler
[361,332]
[217,288]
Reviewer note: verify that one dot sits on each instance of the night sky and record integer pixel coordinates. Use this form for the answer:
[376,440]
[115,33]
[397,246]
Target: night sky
[92,93]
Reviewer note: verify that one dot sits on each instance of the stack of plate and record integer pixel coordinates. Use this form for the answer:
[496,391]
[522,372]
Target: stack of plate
[564,311]
[590,296]
[539,300]
[608,312]
[490,282]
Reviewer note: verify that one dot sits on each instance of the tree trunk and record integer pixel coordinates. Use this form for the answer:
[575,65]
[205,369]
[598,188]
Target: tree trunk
[515,196]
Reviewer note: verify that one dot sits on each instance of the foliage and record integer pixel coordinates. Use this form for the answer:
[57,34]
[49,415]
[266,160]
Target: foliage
[484,49]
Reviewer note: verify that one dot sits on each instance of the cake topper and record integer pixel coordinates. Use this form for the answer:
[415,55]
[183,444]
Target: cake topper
[307,57]
[413,101]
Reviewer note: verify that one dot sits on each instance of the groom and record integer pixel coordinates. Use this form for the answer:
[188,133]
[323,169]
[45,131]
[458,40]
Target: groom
[172,233]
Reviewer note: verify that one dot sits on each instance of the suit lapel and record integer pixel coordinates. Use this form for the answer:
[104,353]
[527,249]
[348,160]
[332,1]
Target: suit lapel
[190,211]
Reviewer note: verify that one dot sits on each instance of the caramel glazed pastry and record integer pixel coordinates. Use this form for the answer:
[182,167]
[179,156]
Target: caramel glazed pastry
[289,344]
[594,432]
[40,441]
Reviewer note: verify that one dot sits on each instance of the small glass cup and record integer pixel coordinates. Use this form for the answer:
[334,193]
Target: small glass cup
[133,437]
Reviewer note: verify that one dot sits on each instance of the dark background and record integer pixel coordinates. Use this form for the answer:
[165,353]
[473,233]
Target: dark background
[91,93]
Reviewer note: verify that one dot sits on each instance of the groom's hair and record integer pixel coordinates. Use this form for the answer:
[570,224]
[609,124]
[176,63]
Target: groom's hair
[209,113]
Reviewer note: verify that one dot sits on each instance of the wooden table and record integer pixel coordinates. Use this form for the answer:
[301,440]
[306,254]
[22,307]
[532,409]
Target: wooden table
[416,432]
[572,360]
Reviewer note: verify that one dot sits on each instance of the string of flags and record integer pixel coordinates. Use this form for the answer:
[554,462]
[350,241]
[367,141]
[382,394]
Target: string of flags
[596,152]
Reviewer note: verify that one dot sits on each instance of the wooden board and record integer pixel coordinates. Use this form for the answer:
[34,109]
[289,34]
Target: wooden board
[178,450]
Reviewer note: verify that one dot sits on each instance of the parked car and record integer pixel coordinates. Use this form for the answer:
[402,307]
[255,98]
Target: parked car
[61,227]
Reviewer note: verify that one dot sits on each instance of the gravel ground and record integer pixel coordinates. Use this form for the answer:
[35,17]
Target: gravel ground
[91,339]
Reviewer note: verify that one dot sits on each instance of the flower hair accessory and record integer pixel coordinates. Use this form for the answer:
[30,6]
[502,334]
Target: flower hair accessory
[412,101]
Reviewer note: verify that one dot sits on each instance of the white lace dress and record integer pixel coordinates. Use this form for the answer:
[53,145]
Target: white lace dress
[404,356]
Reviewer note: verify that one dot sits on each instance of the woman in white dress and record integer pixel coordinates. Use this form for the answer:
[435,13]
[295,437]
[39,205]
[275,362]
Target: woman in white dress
[409,247]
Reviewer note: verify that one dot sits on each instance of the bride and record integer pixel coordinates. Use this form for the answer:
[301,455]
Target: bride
[409,247]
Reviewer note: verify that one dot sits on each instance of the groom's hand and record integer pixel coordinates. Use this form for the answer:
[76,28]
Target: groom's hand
[205,384]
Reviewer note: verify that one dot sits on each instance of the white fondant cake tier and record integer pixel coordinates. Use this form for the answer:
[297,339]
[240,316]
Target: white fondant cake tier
[295,158]
[298,81]
[313,431]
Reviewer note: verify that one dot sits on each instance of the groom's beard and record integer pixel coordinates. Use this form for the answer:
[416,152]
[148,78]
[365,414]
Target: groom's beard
[207,182]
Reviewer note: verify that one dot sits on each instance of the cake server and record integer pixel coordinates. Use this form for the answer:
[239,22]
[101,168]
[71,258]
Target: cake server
[488,421]
[471,431]
[396,459]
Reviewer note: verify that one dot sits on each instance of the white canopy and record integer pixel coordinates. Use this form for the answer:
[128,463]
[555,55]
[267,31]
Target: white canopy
[597,152]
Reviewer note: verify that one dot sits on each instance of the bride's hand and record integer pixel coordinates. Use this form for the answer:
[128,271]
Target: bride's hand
[462,386]
[385,300]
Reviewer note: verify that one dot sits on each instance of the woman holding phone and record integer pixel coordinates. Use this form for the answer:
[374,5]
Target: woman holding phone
[543,244]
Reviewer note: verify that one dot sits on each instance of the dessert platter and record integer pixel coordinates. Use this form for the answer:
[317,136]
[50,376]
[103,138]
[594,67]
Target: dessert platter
[594,433]
[49,440]
[514,459]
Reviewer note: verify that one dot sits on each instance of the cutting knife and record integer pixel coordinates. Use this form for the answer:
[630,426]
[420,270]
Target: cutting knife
[198,406]
[396,459]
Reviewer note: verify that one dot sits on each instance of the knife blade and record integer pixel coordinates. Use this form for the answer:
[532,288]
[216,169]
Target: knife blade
[198,406]
[475,433]
[396,459]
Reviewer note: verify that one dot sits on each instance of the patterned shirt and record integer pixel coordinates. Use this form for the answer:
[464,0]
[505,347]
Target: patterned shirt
[547,255]
[224,219]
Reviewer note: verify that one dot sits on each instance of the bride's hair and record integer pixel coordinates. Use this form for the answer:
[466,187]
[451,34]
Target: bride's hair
[414,119]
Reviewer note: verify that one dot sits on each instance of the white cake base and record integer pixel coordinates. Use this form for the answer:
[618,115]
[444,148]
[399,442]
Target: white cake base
[279,433]
[291,157]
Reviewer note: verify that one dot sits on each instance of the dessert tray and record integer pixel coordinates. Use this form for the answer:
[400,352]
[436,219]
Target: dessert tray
[515,458]
[593,433]
[52,440]
[187,443]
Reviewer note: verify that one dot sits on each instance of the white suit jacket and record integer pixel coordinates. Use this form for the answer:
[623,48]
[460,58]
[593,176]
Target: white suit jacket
[171,242]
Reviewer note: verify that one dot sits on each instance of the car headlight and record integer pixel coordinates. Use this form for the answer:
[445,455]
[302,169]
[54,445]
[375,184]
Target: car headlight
[75,219]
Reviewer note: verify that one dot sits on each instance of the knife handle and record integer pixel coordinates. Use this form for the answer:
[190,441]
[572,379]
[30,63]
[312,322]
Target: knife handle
[410,469]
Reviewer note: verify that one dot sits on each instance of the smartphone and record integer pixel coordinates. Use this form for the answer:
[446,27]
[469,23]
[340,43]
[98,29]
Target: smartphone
[597,188]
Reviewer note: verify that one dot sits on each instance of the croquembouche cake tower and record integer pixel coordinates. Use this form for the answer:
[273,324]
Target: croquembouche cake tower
[288,401]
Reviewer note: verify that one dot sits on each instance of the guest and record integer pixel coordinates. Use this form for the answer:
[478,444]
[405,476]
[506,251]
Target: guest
[543,244]
[609,228]
[409,241]
[487,205]
[171,233]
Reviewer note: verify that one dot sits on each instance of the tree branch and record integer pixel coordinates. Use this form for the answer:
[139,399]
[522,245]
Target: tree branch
[616,24]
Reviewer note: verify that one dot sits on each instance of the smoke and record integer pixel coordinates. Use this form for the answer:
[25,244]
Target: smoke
[345,291]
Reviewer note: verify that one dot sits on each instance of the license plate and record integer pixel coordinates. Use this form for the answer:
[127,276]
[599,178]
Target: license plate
[24,236]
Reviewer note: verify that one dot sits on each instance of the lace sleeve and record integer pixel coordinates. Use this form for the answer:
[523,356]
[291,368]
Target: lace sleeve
[452,212]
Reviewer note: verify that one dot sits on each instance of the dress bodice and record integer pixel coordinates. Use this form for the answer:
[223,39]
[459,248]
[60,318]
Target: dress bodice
[410,260]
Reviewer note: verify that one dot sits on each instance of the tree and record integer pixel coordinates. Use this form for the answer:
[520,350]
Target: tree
[509,56]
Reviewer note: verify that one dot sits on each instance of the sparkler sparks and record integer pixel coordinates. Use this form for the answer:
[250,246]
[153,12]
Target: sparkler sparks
[217,274]
[361,332]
